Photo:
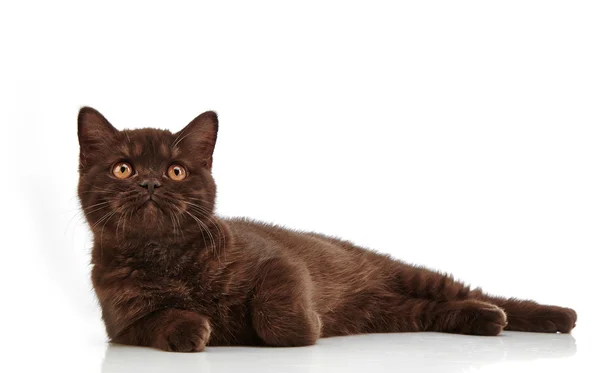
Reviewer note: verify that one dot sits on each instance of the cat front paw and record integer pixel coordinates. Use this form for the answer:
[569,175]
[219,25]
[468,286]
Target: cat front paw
[482,319]
[187,335]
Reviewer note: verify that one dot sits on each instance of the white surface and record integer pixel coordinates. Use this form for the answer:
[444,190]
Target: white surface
[414,352]
[411,352]
[459,135]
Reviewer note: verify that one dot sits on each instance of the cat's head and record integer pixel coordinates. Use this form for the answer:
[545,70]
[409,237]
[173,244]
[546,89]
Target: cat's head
[146,183]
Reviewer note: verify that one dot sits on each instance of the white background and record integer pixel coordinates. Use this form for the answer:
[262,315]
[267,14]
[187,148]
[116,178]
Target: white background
[461,135]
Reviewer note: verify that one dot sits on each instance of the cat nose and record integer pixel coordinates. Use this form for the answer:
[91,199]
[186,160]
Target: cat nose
[150,184]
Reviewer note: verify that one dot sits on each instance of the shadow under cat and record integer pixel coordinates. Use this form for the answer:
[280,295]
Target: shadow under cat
[424,352]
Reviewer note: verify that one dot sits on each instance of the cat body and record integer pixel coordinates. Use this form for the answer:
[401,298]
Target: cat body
[171,275]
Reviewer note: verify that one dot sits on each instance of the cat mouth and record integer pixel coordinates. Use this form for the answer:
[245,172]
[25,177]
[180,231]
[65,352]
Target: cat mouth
[150,202]
[151,209]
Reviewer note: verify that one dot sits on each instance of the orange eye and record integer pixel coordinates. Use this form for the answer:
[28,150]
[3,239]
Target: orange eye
[177,172]
[122,170]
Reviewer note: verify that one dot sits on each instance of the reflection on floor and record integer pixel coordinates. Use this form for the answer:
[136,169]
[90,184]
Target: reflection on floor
[428,352]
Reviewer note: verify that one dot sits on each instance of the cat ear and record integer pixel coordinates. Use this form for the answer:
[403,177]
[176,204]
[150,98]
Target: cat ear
[95,133]
[199,137]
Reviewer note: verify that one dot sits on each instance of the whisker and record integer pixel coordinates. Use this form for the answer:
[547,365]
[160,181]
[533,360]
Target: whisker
[95,191]
[102,233]
[203,228]
[179,225]
[127,217]
[94,186]
[207,214]
[79,215]
[117,229]
[94,205]
[172,216]
[98,209]
[102,219]
[215,223]
[79,208]
[206,229]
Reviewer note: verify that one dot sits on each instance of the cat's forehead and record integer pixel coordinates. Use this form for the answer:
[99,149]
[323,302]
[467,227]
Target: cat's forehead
[149,143]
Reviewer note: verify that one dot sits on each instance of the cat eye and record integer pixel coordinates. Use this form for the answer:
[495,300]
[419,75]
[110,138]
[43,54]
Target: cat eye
[122,170]
[176,172]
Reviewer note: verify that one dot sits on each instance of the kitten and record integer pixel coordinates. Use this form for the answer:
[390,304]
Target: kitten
[171,275]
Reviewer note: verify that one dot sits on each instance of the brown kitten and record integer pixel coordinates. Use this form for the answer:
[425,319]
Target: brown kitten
[171,275]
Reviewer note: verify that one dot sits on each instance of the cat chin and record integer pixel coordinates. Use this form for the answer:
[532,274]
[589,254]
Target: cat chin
[150,212]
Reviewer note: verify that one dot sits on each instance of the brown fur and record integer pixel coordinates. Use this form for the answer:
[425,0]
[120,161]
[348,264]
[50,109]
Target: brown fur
[172,275]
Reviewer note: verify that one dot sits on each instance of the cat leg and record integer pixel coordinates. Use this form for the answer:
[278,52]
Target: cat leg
[529,316]
[419,314]
[432,301]
[170,330]
[523,315]
[383,312]
[282,311]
